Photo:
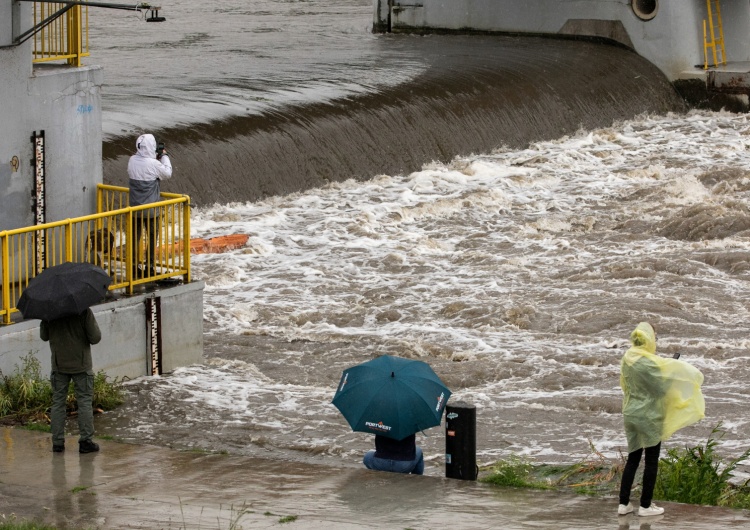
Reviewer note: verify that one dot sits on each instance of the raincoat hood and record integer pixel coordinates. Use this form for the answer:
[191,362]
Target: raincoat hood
[644,337]
[660,395]
[146,145]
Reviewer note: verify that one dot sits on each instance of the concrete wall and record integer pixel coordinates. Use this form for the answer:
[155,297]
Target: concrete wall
[65,103]
[672,39]
[124,348]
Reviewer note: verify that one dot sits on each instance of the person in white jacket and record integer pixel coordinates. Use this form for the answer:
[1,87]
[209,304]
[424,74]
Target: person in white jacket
[146,170]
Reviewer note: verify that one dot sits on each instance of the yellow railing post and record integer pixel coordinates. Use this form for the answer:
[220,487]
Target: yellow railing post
[6,279]
[721,33]
[705,46]
[68,240]
[186,238]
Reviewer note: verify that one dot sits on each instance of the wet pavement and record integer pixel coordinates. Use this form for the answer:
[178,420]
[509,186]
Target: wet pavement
[140,486]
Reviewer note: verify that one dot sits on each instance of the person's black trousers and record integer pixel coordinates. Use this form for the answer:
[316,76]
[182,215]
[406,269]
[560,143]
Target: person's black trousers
[651,468]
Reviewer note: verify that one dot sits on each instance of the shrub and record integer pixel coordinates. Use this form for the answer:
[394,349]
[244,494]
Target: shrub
[27,396]
[698,476]
[25,391]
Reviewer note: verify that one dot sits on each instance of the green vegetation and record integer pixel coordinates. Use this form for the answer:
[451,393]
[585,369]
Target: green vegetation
[515,472]
[25,393]
[40,427]
[694,475]
[699,476]
[11,523]
[26,396]
[595,475]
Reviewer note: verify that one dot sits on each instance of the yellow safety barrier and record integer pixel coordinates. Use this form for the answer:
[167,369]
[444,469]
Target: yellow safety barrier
[102,239]
[64,38]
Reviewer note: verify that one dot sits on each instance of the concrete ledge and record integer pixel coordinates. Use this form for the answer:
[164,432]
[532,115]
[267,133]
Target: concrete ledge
[124,348]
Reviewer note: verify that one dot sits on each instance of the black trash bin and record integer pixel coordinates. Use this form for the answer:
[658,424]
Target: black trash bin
[461,441]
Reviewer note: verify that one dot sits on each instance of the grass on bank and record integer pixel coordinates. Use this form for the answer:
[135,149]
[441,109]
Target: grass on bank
[691,475]
[24,525]
[11,522]
[26,396]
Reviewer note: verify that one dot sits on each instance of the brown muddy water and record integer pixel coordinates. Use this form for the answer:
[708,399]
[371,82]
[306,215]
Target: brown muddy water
[505,209]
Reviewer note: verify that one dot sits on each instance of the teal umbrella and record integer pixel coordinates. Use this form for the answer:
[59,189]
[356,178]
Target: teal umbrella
[391,396]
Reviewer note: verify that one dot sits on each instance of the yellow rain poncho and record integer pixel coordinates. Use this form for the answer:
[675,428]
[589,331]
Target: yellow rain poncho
[661,395]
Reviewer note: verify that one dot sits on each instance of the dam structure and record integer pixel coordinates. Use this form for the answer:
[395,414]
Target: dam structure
[693,42]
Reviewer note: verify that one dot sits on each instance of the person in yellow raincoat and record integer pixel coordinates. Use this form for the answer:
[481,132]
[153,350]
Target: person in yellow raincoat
[660,396]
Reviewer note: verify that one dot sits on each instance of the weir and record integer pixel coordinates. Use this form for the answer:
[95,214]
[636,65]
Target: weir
[477,93]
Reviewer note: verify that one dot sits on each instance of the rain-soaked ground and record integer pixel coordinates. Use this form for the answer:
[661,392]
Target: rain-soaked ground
[137,486]
[517,275]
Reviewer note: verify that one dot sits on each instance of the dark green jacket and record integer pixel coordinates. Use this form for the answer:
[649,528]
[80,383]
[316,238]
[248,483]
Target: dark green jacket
[70,340]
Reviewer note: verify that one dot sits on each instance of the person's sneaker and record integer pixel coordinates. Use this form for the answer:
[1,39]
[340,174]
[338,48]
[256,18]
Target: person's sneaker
[625,509]
[58,448]
[651,510]
[88,447]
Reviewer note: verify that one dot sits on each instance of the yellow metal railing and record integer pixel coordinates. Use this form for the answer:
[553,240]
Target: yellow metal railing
[713,35]
[64,38]
[101,239]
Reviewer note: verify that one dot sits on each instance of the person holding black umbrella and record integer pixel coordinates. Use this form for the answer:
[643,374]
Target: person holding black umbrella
[70,339]
[61,297]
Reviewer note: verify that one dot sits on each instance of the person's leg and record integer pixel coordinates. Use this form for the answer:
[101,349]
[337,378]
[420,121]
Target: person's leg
[137,230]
[650,470]
[59,407]
[628,475]
[419,463]
[154,240]
[382,464]
[369,460]
[84,388]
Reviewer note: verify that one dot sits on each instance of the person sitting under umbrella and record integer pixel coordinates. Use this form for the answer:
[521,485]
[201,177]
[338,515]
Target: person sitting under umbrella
[393,398]
[397,456]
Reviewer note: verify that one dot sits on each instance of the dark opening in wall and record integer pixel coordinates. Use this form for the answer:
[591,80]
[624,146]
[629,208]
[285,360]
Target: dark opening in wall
[645,9]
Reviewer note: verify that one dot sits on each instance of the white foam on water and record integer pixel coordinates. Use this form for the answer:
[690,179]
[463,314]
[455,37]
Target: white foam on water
[518,275]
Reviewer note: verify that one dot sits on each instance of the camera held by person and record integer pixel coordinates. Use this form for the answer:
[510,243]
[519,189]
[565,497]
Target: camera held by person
[160,149]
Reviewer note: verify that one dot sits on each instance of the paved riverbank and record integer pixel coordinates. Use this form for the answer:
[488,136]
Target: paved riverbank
[134,486]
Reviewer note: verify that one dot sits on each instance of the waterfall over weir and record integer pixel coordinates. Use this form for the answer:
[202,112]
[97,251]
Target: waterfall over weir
[474,94]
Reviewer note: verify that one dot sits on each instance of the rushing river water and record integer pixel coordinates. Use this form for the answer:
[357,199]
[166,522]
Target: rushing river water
[518,274]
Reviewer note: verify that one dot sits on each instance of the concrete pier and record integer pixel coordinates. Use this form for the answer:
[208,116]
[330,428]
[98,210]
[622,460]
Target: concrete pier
[124,350]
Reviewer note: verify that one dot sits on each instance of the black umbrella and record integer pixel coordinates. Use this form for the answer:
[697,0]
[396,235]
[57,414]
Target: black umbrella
[64,290]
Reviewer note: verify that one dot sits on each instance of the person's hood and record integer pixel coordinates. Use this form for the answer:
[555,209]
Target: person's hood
[644,337]
[146,145]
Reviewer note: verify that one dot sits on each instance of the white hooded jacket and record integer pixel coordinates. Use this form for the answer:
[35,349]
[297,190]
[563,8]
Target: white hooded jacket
[145,172]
